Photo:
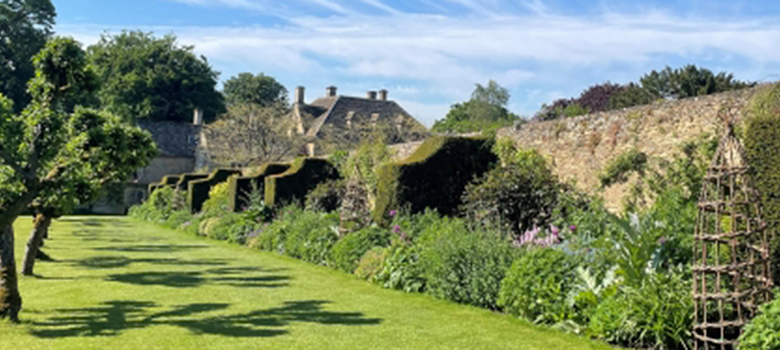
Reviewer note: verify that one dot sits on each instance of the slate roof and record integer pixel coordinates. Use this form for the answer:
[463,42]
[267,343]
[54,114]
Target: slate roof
[179,140]
[335,109]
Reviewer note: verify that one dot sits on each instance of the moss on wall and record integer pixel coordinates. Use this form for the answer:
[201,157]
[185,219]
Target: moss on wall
[198,190]
[434,176]
[303,176]
[239,187]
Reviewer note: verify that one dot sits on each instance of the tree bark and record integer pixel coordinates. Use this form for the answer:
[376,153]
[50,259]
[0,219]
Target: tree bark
[40,227]
[10,299]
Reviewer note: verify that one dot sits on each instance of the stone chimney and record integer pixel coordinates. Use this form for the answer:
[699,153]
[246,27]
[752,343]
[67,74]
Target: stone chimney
[197,117]
[383,95]
[330,91]
[300,95]
[371,95]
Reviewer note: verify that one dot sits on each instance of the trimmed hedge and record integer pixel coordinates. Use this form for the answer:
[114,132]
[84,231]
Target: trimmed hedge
[186,178]
[303,176]
[762,149]
[167,180]
[240,186]
[152,187]
[198,190]
[434,176]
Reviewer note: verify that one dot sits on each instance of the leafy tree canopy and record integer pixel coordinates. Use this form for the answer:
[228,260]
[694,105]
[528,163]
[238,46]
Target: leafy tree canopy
[46,149]
[154,78]
[485,111]
[689,81]
[24,27]
[260,89]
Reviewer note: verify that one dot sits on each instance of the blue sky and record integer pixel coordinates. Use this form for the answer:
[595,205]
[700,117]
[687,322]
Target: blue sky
[430,53]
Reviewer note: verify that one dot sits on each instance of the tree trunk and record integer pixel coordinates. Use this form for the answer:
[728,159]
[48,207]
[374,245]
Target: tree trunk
[10,299]
[40,227]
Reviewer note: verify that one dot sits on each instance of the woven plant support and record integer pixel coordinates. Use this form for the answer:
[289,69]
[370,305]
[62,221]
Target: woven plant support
[731,269]
[355,209]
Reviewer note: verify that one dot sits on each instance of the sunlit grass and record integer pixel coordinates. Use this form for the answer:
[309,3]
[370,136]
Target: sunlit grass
[119,284]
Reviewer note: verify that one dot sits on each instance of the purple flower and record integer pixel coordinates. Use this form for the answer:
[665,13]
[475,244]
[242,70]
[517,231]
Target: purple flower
[391,213]
[573,228]
[396,229]
[662,241]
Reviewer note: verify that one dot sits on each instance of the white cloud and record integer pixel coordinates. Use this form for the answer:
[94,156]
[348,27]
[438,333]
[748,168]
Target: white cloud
[444,56]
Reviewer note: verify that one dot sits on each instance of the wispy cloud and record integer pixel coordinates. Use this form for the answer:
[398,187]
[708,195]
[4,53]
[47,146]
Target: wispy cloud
[442,55]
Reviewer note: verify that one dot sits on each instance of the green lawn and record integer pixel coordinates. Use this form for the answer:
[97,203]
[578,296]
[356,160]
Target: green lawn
[118,284]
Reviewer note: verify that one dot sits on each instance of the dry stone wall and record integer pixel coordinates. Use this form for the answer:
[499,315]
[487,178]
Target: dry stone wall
[580,147]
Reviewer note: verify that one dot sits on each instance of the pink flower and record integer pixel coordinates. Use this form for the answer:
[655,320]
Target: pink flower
[396,229]
[391,213]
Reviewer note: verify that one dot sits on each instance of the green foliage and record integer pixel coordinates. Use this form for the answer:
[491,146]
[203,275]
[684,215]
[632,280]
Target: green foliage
[631,95]
[349,249]
[300,234]
[177,218]
[763,332]
[463,265]
[657,314]
[537,284]
[762,149]
[199,191]
[258,89]
[401,269]
[433,177]
[370,264]
[146,77]
[689,81]
[619,168]
[364,163]
[242,188]
[326,197]
[25,26]
[515,197]
[217,204]
[303,176]
[230,227]
[485,111]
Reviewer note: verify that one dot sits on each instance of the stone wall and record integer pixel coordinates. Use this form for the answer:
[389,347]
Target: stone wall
[580,147]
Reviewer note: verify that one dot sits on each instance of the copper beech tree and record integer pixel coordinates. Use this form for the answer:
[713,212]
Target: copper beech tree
[45,147]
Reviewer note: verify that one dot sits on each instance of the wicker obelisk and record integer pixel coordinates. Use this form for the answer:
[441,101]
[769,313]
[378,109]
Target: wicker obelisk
[731,269]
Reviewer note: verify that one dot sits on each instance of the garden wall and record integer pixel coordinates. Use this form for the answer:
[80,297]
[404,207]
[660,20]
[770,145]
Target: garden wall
[580,147]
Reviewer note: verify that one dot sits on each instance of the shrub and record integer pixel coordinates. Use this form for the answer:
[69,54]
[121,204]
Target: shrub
[537,284]
[240,187]
[178,218]
[433,177]
[465,266]
[619,168]
[193,226]
[631,95]
[217,204]
[302,177]
[401,269]
[300,234]
[371,263]
[762,149]
[349,249]
[326,197]
[763,332]
[658,314]
[198,191]
[517,196]
[231,227]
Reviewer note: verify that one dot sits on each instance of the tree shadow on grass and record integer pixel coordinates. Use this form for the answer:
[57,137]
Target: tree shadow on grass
[114,317]
[120,261]
[239,277]
[152,248]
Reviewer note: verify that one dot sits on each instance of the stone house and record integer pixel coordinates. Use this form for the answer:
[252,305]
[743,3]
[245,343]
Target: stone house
[177,153]
[345,119]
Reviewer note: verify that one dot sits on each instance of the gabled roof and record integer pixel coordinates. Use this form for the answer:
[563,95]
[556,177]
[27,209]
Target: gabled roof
[343,105]
[178,140]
